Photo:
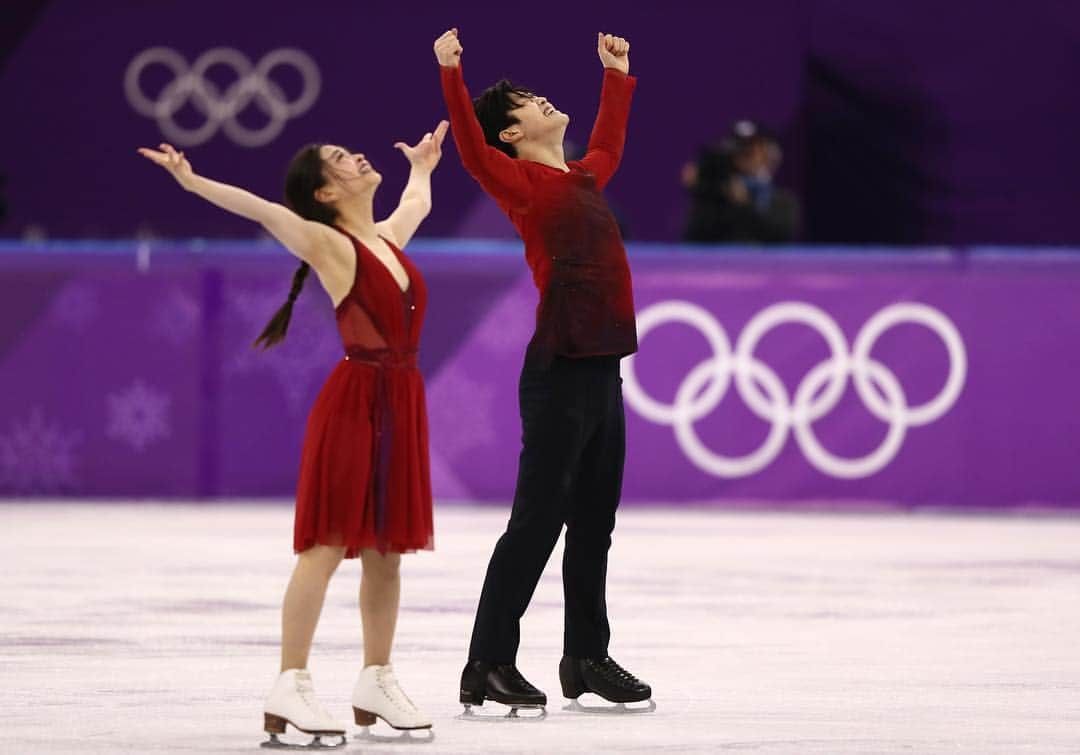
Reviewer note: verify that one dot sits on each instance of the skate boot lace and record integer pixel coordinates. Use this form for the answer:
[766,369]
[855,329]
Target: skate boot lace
[613,671]
[520,679]
[306,690]
[386,681]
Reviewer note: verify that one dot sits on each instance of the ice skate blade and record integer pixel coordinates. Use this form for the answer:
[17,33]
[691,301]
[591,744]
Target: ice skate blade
[315,744]
[399,737]
[615,709]
[509,717]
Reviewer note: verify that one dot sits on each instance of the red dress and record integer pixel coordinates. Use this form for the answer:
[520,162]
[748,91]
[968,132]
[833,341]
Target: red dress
[364,470]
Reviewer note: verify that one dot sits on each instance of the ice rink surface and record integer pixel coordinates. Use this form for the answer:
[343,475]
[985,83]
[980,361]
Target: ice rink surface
[154,628]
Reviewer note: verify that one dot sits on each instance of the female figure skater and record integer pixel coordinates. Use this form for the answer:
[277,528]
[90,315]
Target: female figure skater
[364,487]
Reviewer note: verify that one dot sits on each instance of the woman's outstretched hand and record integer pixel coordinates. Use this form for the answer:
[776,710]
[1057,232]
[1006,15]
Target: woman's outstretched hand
[172,161]
[426,152]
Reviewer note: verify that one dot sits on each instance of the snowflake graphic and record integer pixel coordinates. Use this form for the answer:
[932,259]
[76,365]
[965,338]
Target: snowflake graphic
[461,411]
[175,318]
[138,416]
[312,345]
[38,456]
[76,306]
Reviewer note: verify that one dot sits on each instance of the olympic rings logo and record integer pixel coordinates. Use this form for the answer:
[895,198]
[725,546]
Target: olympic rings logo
[220,109]
[819,392]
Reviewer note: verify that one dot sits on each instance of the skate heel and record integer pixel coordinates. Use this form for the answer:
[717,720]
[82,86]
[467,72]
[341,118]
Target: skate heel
[363,718]
[573,686]
[471,697]
[273,724]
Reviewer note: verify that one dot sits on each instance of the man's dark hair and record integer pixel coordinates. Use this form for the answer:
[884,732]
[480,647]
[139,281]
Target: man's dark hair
[493,108]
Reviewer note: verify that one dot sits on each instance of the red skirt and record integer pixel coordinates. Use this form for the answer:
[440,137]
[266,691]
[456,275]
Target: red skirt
[368,422]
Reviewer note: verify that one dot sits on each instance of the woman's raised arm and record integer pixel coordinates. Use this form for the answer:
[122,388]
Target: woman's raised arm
[306,239]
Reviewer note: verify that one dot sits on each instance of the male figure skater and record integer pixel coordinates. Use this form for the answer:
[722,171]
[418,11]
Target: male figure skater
[573,442]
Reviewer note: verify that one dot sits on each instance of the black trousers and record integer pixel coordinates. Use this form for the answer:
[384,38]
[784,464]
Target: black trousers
[570,472]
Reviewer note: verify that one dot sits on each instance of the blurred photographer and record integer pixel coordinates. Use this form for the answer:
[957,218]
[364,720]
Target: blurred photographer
[733,198]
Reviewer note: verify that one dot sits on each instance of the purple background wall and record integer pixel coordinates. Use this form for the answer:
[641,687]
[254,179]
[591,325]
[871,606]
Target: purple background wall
[126,370]
[915,122]
[907,124]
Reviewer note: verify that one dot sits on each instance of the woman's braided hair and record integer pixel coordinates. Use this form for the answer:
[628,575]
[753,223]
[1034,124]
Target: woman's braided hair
[304,178]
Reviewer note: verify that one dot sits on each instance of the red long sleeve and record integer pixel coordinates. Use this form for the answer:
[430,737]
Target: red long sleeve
[609,132]
[500,175]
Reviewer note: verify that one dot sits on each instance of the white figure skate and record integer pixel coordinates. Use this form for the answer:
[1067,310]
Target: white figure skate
[377,694]
[292,702]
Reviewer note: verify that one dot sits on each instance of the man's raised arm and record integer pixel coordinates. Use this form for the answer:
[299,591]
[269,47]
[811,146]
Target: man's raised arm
[609,131]
[497,172]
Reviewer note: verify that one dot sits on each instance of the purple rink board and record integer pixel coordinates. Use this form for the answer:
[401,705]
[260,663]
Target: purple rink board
[803,377]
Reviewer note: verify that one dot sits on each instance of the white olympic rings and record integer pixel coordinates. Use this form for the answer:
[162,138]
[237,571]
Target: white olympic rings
[253,85]
[816,395]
